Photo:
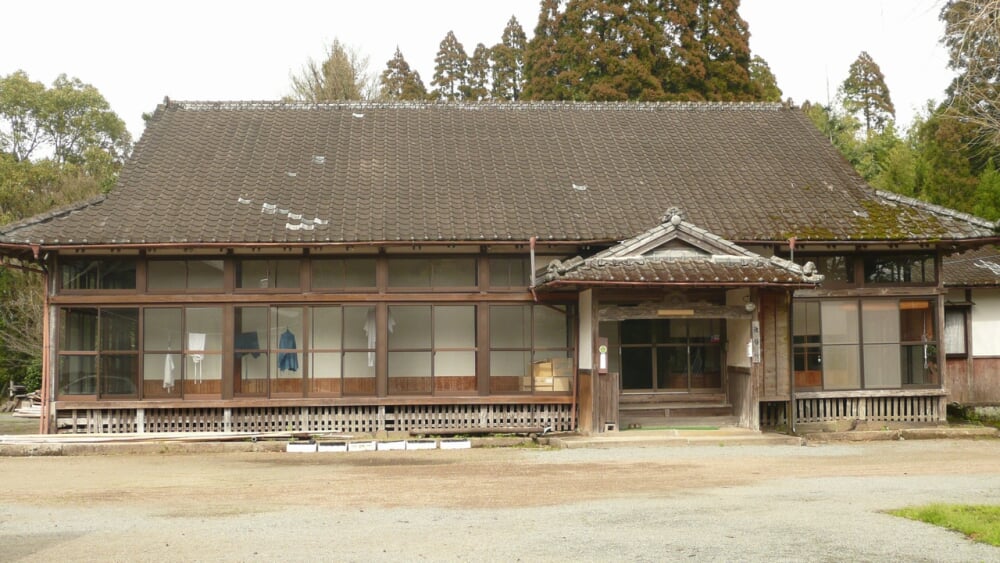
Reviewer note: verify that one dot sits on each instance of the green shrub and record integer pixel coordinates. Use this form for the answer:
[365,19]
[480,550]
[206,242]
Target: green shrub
[32,380]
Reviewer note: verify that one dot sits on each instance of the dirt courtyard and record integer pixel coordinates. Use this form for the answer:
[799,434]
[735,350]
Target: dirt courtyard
[743,503]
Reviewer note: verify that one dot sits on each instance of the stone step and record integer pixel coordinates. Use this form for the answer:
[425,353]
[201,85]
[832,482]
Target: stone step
[676,409]
[632,422]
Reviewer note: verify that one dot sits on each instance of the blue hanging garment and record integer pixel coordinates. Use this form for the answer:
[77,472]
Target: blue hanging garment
[247,341]
[287,361]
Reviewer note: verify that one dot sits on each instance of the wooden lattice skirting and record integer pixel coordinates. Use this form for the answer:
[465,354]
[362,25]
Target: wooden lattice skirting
[918,409]
[875,409]
[341,419]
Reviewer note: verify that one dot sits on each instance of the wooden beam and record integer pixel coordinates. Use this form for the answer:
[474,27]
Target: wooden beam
[658,310]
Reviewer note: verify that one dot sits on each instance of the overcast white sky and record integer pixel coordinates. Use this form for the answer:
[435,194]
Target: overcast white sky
[136,53]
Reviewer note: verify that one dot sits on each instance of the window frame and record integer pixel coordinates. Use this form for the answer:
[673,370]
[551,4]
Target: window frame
[535,352]
[64,262]
[187,276]
[240,261]
[433,347]
[313,260]
[101,353]
[965,310]
[925,257]
[433,262]
[859,346]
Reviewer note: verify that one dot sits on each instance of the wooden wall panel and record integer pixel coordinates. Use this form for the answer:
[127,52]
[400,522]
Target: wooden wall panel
[980,387]
[773,316]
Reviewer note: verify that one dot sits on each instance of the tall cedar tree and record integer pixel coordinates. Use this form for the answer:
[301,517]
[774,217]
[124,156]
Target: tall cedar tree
[479,74]
[710,57]
[865,95]
[507,58]
[400,82]
[451,66]
[656,50]
[542,61]
[608,49]
[972,37]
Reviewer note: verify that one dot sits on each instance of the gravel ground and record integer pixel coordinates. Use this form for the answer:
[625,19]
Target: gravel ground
[741,503]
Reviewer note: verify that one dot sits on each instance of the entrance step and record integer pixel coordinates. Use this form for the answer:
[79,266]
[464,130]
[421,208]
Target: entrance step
[631,422]
[674,409]
[656,398]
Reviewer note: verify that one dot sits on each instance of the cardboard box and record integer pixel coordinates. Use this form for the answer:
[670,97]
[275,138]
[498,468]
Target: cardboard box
[551,375]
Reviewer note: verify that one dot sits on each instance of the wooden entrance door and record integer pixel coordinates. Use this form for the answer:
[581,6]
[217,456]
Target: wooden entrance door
[670,355]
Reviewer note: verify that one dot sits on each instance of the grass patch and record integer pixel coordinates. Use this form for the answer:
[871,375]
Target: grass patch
[978,522]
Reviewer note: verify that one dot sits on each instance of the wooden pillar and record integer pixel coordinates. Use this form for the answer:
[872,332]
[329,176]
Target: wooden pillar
[587,392]
[47,422]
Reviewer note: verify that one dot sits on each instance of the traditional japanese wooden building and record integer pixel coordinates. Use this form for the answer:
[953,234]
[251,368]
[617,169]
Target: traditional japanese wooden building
[360,267]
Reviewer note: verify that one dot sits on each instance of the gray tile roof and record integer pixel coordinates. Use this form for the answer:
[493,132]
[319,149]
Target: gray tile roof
[975,268]
[271,172]
[676,252]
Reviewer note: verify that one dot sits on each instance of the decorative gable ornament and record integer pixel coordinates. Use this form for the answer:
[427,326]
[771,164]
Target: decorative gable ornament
[676,252]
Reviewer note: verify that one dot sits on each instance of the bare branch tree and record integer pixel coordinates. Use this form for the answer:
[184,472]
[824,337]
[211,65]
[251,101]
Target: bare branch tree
[21,314]
[972,36]
[343,75]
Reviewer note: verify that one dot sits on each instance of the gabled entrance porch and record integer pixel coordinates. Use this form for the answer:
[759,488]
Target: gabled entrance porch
[674,314]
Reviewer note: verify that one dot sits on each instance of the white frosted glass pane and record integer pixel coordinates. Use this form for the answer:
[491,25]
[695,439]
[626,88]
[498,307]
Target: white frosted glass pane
[155,367]
[207,321]
[510,327]
[359,364]
[409,364]
[455,327]
[455,364]
[550,327]
[806,318]
[840,367]
[254,367]
[207,368]
[359,327]
[163,329]
[326,328]
[412,327]
[880,322]
[503,364]
[882,369]
[325,366]
[840,322]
